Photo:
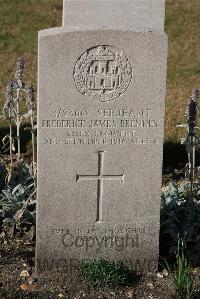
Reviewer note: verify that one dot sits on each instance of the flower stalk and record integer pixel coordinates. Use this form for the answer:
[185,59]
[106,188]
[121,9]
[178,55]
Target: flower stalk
[16,92]
[191,139]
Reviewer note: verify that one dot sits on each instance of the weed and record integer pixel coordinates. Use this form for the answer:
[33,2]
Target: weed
[183,281]
[102,273]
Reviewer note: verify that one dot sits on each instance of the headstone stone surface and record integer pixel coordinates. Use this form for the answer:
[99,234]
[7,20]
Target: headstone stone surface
[100,140]
[114,14]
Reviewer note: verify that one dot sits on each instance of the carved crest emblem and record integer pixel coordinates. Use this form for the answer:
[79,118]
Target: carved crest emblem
[102,73]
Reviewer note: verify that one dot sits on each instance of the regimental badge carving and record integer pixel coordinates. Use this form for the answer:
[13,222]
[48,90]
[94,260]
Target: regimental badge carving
[103,73]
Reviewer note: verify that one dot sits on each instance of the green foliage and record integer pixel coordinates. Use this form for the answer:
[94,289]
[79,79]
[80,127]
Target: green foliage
[183,281]
[17,205]
[180,215]
[101,273]
[15,211]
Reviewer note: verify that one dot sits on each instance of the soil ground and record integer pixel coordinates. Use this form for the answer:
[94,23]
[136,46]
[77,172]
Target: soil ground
[16,257]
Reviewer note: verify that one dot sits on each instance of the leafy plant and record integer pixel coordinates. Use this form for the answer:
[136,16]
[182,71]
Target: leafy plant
[101,273]
[180,216]
[17,203]
[17,199]
[183,281]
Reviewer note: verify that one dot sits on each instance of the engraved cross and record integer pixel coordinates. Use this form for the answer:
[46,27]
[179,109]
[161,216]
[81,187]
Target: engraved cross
[100,178]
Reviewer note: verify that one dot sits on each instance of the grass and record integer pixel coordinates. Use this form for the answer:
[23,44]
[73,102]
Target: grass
[21,19]
[183,29]
[102,273]
[183,281]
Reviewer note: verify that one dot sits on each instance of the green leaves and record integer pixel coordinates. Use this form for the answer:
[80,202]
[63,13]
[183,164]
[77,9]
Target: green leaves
[15,210]
[183,281]
[180,215]
[101,273]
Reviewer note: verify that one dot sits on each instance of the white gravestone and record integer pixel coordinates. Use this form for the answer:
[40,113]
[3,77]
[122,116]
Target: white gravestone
[100,134]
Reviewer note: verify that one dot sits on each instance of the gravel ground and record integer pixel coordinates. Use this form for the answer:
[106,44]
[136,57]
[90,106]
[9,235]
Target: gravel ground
[18,280]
